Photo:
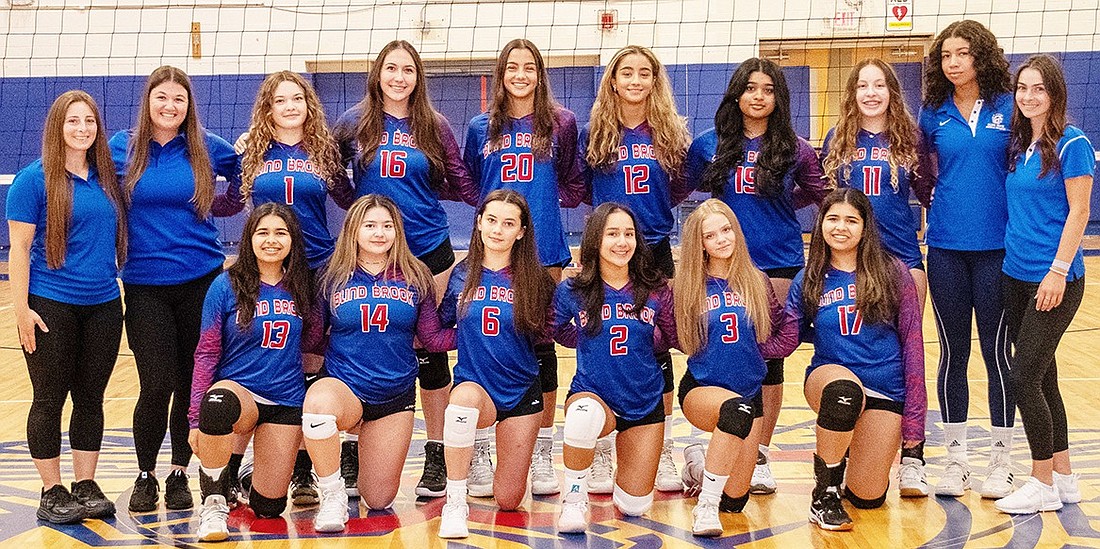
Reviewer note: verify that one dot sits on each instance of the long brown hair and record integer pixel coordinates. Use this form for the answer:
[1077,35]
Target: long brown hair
[317,140]
[876,270]
[1055,83]
[546,108]
[244,275]
[59,183]
[138,154]
[989,63]
[691,280]
[670,134]
[532,284]
[901,131]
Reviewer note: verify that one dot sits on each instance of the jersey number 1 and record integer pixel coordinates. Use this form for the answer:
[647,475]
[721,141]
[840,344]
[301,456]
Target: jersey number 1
[288,182]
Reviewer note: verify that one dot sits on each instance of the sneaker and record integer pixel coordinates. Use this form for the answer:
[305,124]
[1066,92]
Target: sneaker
[955,480]
[146,492]
[59,506]
[1068,490]
[236,495]
[694,460]
[349,466]
[177,494]
[574,514]
[668,478]
[480,480]
[452,521]
[998,483]
[911,479]
[706,522]
[303,488]
[827,511]
[332,515]
[89,495]
[1031,498]
[544,481]
[245,474]
[213,519]
[601,478]
[762,480]
[433,482]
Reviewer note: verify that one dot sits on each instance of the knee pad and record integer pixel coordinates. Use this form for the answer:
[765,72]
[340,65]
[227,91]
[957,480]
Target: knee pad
[459,426]
[219,410]
[775,372]
[735,417]
[266,507]
[841,404]
[634,506]
[860,503]
[732,504]
[434,371]
[547,356]
[318,426]
[664,360]
[584,421]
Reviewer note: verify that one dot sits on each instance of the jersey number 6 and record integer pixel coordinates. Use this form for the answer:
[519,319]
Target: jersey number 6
[490,321]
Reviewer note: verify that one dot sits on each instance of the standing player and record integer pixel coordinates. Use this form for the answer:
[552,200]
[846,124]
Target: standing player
[167,164]
[1048,190]
[257,319]
[965,127]
[874,147]
[401,148]
[753,161]
[499,296]
[527,142]
[634,149]
[67,227]
[858,305]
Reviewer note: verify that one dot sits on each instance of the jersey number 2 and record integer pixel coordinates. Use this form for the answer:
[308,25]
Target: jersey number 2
[619,335]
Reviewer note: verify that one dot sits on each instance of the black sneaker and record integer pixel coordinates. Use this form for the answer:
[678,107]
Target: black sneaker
[303,488]
[235,494]
[826,509]
[349,467]
[89,495]
[245,475]
[177,494]
[59,506]
[146,492]
[433,483]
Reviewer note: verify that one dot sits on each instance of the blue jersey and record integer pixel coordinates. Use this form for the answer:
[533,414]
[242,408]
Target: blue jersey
[491,352]
[87,276]
[870,172]
[168,243]
[772,231]
[1038,207]
[512,165]
[617,363]
[373,320]
[969,211]
[731,358]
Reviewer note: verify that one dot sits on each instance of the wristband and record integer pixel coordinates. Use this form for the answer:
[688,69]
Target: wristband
[1058,271]
[1060,265]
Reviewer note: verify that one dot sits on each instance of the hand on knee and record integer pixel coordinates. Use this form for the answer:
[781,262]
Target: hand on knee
[735,417]
[584,421]
[841,405]
[633,506]
[459,426]
[318,426]
[219,410]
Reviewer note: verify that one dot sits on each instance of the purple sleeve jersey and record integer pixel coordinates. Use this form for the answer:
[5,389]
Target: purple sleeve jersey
[617,363]
[870,172]
[490,351]
[731,358]
[289,177]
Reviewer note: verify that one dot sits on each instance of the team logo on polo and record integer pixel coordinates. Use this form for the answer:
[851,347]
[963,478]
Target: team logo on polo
[997,122]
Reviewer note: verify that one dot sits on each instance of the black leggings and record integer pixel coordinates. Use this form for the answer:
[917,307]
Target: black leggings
[75,358]
[1035,336]
[162,327]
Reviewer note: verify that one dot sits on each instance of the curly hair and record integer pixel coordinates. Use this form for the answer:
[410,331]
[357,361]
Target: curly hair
[1054,81]
[989,63]
[546,108]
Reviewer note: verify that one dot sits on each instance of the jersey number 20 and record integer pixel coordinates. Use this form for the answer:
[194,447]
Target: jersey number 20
[517,167]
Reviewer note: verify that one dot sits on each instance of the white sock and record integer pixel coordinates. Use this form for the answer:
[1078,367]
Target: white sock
[576,482]
[456,490]
[1000,444]
[332,482]
[215,472]
[954,439]
[351,438]
[546,432]
[711,492]
[482,435]
[668,428]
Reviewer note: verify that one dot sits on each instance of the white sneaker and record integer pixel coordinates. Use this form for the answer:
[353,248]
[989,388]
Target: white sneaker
[1032,497]
[1068,490]
[332,514]
[668,478]
[762,480]
[911,479]
[706,522]
[574,514]
[480,479]
[694,461]
[998,483]
[601,478]
[213,519]
[452,521]
[544,481]
[955,480]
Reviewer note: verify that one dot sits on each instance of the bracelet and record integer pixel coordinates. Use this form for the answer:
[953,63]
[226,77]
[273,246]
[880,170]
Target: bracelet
[1058,271]
[1062,265]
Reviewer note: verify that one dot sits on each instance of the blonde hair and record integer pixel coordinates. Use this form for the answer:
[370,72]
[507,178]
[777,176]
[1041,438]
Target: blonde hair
[690,297]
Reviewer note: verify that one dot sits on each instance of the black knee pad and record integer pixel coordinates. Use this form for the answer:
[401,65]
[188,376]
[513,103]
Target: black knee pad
[860,503]
[731,504]
[434,371]
[547,355]
[219,410]
[664,360]
[775,372]
[265,507]
[735,417]
[841,404]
